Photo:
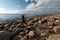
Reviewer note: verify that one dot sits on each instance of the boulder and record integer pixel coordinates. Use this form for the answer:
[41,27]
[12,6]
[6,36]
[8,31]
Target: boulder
[5,35]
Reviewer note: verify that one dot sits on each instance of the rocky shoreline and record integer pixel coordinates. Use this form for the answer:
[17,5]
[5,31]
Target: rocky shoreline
[39,27]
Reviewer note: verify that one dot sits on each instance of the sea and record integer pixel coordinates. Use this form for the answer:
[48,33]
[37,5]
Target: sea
[12,17]
[9,17]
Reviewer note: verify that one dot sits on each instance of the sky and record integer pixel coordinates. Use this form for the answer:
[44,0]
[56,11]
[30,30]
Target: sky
[29,6]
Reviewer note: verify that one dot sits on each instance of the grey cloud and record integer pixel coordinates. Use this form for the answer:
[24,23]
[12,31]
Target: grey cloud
[51,6]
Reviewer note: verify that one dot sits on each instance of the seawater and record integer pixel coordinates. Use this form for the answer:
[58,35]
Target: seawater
[12,17]
[5,17]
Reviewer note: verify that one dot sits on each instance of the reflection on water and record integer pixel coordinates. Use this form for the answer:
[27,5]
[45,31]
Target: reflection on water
[4,17]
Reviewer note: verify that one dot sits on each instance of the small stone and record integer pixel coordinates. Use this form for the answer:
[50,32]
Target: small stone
[57,21]
[10,29]
[43,34]
[29,22]
[6,25]
[35,19]
[50,26]
[28,26]
[39,21]
[31,34]
[22,33]
[56,29]
[12,26]
[49,23]
[26,31]
[18,30]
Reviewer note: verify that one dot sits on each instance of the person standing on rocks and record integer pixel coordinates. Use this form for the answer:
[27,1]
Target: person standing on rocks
[23,21]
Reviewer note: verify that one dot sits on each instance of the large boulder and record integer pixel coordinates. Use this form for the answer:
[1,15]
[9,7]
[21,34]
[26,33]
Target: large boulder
[5,35]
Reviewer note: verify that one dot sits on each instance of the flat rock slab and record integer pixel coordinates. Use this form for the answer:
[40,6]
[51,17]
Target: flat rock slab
[54,37]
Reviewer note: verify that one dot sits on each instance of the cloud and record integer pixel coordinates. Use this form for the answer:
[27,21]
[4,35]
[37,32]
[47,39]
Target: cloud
[29,0]
[6,11]
[26,0]
[30,7]
[2,9]
[44,6]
